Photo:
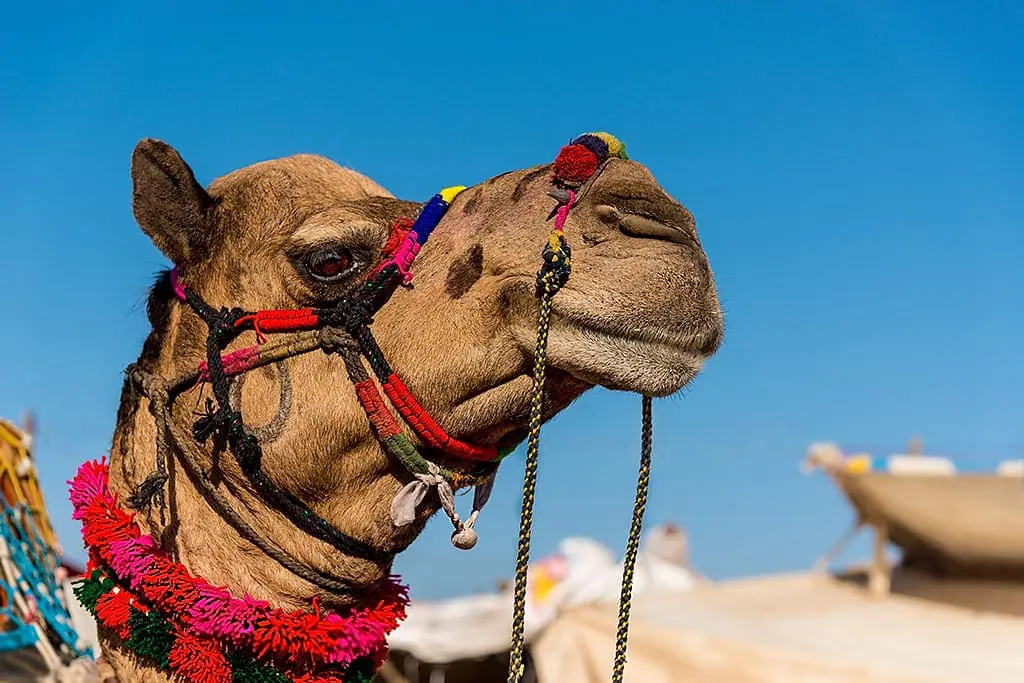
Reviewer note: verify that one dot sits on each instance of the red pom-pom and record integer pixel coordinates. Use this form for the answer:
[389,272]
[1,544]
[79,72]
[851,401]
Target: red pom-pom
[170,587]
[113,610]
[102,525]
[298,639]
[199,660]
[575,164]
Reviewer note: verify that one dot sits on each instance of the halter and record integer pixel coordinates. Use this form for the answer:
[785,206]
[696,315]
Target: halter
[120,561]
[343,329]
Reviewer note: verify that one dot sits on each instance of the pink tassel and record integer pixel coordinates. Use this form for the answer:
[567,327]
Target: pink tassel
[218,614]
[89,482]
[131,558]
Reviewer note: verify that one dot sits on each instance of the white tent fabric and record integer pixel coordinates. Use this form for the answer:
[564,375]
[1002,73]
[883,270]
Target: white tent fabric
[799,628]
[579,647]
[580,572]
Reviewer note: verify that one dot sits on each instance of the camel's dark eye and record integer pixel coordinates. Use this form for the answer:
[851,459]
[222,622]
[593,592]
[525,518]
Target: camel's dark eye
[329,265]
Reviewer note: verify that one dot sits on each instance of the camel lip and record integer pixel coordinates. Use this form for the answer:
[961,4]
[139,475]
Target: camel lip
[509,413]
[687,367]
[702,345]
[659,368]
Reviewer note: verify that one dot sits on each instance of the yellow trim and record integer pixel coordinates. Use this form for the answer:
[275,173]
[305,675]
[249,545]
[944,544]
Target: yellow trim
[450,193]
[857,464]
[24,488]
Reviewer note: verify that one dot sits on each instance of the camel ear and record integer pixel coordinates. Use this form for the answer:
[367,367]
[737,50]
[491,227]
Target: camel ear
[168,202]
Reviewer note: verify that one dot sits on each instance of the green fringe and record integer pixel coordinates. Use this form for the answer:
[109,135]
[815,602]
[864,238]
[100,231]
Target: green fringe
[91,589]
[244,669]
[361,671]
[150,635]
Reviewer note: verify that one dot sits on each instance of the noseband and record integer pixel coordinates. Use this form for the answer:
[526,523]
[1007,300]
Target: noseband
[342,329]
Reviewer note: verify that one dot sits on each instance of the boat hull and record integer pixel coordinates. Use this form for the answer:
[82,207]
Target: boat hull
[960,524]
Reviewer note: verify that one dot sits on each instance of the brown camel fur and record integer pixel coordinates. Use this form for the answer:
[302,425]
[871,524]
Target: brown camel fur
[640,313]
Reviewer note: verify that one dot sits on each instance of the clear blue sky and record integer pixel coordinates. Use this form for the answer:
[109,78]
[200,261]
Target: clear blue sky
[856,171]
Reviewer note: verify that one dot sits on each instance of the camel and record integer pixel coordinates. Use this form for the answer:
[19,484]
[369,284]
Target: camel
[640,313]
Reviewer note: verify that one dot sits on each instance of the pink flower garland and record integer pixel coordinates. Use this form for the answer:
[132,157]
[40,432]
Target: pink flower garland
[297,639]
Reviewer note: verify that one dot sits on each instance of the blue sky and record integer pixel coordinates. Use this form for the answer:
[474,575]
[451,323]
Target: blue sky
[855,169]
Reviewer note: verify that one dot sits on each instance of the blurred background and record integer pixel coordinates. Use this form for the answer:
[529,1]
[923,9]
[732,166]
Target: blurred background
[855,169]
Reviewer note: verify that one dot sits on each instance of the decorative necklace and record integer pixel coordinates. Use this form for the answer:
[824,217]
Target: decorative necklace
[192,628]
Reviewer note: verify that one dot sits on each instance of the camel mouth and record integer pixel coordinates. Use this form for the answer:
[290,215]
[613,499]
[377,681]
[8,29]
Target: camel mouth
[700,342]
[649,361]
[499,416]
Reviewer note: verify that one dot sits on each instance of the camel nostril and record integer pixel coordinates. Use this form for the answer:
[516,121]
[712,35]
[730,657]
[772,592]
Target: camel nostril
[608,214]
[642,226]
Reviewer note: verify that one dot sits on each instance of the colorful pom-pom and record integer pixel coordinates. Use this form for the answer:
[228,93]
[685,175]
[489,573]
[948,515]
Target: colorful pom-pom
[91,589]
[169,586]
[150,636]
[595,144]
[131,558]
[114,609]
[198,660]
[616,148]
[575,164]
[247,670]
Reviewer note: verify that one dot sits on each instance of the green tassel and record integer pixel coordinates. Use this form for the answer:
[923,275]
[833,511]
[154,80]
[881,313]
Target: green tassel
[247,670]
[150,635]
[361,671]
[90,590]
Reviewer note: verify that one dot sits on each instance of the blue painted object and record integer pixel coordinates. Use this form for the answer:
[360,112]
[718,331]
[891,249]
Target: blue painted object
[35,565]
[21,635]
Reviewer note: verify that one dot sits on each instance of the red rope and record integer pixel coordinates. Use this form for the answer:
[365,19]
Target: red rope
[294,320]
[376,411]
[280,320]
[427,429]
[399,230]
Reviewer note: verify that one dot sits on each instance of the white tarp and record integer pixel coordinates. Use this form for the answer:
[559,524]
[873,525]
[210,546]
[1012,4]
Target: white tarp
[799,628]
[580,572]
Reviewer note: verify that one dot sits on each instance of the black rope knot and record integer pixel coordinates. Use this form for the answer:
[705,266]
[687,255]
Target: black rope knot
[557,267]
[147,491]
[350,314]
[246,448]
[215,422]
[222,324]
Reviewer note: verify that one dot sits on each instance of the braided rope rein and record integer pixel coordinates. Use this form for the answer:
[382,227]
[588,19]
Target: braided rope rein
[577,165]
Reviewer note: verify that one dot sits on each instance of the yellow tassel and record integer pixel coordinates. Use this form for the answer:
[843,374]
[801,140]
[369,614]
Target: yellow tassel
[554,242]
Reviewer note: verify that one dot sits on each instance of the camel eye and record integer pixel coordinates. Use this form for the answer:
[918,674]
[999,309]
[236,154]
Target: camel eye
[330,264]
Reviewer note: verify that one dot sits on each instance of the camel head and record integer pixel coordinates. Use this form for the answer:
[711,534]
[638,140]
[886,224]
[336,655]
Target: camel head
[639,313]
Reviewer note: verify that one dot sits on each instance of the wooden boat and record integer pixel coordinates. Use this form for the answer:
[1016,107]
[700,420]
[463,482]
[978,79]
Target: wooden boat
[946,523]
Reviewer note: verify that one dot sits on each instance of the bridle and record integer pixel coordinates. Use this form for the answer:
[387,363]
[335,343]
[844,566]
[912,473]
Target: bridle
[344,329]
